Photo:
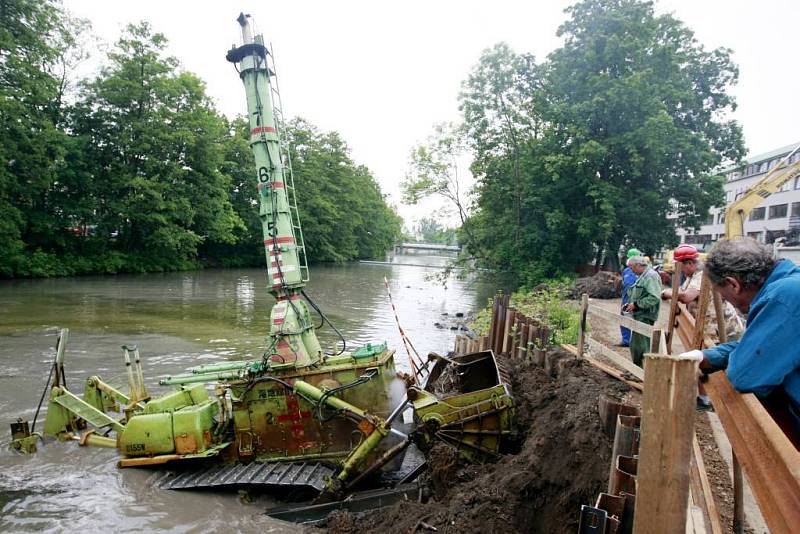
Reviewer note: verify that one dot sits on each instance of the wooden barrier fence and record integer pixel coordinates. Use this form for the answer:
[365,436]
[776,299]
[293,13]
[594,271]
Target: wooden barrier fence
[760,446]
[673,468]
[511,333]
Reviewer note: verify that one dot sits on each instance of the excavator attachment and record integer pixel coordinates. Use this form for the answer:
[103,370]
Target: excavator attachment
[466,403]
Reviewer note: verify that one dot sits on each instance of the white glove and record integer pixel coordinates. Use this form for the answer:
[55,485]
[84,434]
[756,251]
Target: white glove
[696,355]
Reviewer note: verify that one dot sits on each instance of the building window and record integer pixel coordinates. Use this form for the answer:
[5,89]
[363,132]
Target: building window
[797,183]
[763,167]
[756,235]
[784,187]
[772,235]
[796,209]
[709,219]
[778,211]
[721,218]
[758,214]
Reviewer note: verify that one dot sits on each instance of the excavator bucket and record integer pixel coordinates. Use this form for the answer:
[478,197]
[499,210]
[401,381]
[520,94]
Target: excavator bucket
[466,403]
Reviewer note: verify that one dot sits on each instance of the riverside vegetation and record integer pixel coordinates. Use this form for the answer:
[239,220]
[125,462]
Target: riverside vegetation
[134,170]
[611,140]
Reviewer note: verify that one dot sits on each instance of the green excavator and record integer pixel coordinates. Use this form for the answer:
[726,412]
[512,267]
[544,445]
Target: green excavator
[297,416]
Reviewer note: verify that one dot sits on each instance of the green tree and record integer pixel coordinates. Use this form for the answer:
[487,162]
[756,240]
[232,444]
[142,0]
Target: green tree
[430,230]
[612,140]
[34,38]
[157,147]
[639,112]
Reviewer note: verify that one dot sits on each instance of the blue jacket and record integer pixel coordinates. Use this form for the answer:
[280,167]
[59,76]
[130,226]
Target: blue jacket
[628,279]
[768,354]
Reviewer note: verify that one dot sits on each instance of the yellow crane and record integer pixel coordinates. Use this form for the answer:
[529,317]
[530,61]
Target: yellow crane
[737,212]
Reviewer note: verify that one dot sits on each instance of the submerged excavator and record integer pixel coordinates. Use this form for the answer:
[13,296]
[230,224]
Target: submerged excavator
[297,417]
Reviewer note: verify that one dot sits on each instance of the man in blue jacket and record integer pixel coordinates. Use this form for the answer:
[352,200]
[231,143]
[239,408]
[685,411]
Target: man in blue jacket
[628,279]
[766,359]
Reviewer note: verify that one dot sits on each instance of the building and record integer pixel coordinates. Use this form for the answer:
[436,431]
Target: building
[767,222]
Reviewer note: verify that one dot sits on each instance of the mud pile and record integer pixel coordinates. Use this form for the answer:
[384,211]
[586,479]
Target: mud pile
[603,285]
[562,462]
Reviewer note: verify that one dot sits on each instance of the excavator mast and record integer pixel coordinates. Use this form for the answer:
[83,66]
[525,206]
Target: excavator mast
[292,339]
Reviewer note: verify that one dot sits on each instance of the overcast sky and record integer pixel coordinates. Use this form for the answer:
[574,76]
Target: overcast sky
[383,73]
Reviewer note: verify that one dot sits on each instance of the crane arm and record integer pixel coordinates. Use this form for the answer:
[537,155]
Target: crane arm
[737,212]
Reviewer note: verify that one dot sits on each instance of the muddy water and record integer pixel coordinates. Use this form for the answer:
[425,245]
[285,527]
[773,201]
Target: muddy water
[178,320]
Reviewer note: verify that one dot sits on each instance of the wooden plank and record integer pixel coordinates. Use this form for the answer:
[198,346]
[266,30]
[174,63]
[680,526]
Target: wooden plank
[702,308]
[498,328]
[768,458]
[673,307]
[705,497]
[582,325]
[657,344]
[668,405]
[719,312]
[495,308]
[506,340]
[620,361]
[516,334]
[738,497]
[608,369]
[627,322]
[522,351]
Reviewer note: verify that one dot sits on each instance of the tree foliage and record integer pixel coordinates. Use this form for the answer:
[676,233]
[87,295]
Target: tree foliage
[138,171]
[612,140]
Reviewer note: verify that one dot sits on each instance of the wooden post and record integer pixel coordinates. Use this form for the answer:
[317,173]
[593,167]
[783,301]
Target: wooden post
[522,352]
[507,333]
[497,346]
[582,325]
[673,306]
[700,316]
[515,335]
[719,311]
[668,404]
[495,309]
[655,342]
[738,497]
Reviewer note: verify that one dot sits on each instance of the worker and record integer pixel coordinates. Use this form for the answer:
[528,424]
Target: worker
[628,279]
[766,359]
[686,258]
[644,303]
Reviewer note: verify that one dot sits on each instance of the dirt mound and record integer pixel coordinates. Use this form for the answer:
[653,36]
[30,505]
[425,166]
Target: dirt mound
[562,463]
[603,285]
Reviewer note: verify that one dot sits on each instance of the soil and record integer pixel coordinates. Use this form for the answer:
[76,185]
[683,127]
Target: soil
[717,471]
[603,285]
[561,463]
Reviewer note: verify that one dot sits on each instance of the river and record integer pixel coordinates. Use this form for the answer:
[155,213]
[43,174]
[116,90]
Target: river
[177,320]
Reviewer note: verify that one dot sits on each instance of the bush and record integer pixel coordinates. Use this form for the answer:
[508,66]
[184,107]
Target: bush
[546,302]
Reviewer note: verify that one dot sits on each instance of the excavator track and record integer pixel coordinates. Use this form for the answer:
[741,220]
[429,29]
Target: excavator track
[276,474]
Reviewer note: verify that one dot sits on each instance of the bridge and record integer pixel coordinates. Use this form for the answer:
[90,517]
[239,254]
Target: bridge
[429,249]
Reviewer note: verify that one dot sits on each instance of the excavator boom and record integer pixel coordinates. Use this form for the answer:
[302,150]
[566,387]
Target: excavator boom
[737,212]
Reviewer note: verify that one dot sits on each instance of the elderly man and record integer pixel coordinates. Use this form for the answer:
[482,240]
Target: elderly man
[766,360]
[628,279]
[644,301]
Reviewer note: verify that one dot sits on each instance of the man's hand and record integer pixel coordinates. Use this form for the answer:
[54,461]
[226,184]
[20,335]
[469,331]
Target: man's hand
[629,307]
[666,294]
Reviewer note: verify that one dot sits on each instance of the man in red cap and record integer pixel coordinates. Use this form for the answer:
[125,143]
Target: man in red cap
[686,258]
